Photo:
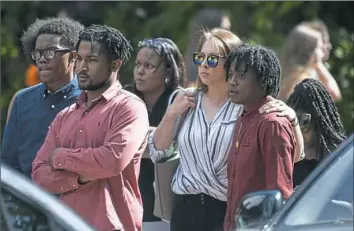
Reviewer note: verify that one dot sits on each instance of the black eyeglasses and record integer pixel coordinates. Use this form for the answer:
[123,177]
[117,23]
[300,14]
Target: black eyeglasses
[48,53]
[212,60]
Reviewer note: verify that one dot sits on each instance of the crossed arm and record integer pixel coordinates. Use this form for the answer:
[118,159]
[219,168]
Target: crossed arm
[58,169]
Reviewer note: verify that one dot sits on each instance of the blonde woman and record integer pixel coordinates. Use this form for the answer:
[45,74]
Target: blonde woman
[319,70]
[204,138]
[301,52]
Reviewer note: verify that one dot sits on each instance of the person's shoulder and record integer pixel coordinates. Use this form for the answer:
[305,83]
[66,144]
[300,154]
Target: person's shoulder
[127,99]
[29,91]
[272,118]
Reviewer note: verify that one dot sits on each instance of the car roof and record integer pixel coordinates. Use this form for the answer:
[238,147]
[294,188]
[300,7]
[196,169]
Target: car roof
[24,187]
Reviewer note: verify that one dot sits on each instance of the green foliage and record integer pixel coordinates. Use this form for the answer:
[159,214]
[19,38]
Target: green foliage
[261,22]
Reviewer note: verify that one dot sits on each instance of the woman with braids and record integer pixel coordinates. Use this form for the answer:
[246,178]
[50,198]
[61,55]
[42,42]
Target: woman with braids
[320,125]
[201,123]
[159,71]
[91,155]
[262,153]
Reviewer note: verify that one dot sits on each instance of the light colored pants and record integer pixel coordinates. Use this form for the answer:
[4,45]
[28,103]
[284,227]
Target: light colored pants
[156,226]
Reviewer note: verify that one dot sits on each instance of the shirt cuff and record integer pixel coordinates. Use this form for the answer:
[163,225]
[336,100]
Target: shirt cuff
[72,183]
[62,160]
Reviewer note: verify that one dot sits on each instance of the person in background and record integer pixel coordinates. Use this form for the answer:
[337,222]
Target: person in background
[301,51]
[50,43]
[262,152]
[159,70]
[91,155]
[32,76]
[204,138]
[320,124]
[319,70]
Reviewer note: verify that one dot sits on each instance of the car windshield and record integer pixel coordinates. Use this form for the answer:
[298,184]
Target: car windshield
[329,198]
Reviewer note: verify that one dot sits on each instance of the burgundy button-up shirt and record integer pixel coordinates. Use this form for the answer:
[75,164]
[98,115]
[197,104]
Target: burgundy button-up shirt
[264,158]
[104,144]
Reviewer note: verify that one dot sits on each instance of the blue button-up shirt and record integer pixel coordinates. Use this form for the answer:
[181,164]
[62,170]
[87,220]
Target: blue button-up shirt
[33,110]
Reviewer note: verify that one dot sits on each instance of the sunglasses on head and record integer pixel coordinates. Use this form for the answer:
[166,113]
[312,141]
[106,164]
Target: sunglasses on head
[212,60]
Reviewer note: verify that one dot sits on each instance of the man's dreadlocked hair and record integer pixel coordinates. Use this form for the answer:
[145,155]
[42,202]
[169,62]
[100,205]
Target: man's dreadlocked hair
[67,28]
[263,61]
[312,97]
[112,40]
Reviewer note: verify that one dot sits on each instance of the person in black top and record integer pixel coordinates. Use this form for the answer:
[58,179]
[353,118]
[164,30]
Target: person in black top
[159,70]
[319,122]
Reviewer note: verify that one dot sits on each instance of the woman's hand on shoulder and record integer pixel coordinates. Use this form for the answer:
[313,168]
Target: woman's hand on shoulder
[275,105]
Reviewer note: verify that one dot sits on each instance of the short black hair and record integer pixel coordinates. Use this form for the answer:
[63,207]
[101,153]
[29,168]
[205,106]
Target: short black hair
[263,61]
[172,58]
[112,40]
[66,27]
[311,96]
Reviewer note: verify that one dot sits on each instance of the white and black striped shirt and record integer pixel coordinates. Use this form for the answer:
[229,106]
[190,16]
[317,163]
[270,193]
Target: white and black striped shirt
[203,149]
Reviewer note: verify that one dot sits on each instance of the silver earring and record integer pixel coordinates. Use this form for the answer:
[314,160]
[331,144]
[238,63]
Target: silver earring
[167,79]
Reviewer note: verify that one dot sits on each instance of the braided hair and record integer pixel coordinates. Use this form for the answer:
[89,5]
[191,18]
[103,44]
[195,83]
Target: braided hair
[263,61]
[112,40]
[311,96]
[174,71]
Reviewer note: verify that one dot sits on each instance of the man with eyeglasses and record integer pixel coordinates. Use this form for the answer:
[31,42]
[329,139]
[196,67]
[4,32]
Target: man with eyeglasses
[50,44]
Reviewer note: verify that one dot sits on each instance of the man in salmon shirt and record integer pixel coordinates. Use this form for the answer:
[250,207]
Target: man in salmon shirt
[91,155]
[263,151]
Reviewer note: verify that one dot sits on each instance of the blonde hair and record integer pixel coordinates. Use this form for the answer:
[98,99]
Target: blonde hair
[298,50]
[223,40]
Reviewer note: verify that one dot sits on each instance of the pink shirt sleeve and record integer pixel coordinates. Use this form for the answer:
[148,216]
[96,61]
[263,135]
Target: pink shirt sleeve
[55,181]
[124,142]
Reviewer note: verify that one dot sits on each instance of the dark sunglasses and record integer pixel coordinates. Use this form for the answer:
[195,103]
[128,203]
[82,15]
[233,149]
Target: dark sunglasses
[305,122]
[48,53]
[212,60]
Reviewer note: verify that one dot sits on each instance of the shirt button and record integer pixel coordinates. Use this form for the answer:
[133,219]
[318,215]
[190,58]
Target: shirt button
[53,106]
[64,96]
[74,185]
[61,189]
[59,165]
[80,131]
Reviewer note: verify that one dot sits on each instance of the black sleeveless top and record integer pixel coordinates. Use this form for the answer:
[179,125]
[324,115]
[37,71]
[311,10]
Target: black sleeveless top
[147,171]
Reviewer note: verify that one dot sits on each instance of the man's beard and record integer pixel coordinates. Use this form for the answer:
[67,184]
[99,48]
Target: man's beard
[95,87]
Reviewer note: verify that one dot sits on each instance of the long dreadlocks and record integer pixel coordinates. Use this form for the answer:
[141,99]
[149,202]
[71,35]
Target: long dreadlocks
[311,96]
[115,44]
[263,61]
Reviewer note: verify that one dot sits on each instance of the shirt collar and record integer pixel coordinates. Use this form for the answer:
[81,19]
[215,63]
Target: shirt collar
[65,90]
[255,109]
[109,94]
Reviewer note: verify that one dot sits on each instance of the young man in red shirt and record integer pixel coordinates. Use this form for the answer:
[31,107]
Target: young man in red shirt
[263,151]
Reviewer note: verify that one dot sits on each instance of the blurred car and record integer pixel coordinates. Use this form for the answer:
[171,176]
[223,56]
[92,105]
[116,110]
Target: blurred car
[26,207]
[324,201]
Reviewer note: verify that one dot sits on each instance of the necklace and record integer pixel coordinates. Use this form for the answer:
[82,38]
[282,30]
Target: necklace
[238,135]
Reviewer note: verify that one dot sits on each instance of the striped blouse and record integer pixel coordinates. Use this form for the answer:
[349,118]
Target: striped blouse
[203,149]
